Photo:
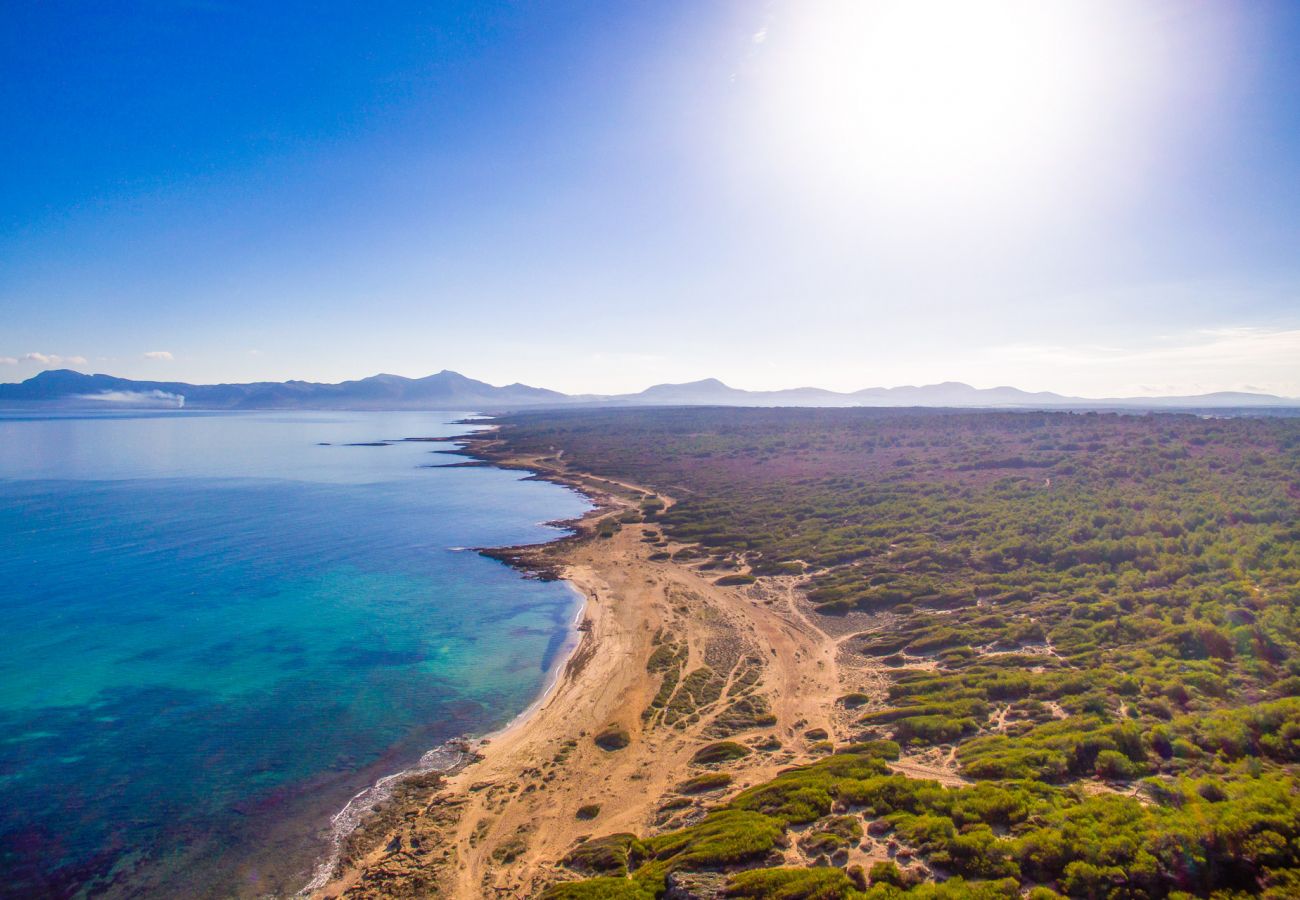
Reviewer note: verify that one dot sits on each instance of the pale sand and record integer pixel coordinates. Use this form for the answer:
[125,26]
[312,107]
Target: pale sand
[500,827]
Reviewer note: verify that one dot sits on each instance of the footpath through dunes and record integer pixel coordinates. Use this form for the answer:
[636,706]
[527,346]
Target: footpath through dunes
[679,690]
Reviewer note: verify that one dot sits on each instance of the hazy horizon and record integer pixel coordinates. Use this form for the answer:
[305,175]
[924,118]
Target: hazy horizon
[1096,199]
[697,382]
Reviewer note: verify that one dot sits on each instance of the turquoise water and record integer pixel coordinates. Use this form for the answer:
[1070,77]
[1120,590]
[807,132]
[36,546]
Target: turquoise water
[217,630]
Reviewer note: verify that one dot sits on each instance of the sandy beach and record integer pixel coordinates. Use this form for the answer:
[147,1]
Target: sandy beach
[500,826]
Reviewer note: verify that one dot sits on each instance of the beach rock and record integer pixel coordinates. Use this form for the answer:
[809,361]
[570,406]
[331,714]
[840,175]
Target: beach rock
[695,886]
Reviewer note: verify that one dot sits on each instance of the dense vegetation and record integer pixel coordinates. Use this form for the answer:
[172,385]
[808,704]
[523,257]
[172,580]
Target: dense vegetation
[1099,614]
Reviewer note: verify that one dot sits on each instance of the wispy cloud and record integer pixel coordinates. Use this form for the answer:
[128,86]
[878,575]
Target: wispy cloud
[8,361]
[137,398]
[159,354]
[1241,345]
[53,359]
[1238,357]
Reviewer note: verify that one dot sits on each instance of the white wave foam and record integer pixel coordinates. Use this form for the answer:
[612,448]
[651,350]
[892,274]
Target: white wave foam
[448,757]
[445,758]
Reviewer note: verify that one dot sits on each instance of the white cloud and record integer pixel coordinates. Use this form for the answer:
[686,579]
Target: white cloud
[8,361]
[159,354]
[53,359]
[137,398]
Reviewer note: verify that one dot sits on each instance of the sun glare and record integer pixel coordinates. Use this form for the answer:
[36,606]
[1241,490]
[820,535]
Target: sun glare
[921,100]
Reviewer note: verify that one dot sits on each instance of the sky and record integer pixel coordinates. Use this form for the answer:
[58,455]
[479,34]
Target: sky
[1095,197]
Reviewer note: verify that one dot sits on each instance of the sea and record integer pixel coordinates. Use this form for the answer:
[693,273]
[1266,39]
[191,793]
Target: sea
[217,628]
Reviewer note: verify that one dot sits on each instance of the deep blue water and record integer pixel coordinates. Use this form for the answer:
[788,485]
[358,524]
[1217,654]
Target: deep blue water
[216,630]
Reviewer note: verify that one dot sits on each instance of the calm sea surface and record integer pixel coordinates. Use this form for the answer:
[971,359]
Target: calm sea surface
[215,630]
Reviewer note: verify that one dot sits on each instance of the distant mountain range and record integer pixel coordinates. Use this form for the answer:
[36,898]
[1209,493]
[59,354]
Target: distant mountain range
[66,389]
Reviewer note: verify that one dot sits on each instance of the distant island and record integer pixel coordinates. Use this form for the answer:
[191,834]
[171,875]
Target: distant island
[67,389]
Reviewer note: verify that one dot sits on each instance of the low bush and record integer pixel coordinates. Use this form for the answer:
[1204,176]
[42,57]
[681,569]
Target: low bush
[709,781]
[613,738]
[722,751]
[730,580]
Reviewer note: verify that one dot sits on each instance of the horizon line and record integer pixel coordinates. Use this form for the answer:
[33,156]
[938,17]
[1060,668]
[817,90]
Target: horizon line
[674,384]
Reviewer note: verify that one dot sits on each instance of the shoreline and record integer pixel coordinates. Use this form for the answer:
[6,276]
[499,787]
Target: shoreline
[554,674]
[467,749]
[501,825]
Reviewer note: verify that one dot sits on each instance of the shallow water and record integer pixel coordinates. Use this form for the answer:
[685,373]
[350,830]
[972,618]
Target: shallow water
[217,630]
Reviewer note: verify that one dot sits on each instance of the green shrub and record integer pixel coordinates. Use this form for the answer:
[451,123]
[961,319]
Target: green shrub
[885,872]
[729,580]
[597,889]
[609,854]
[709,781]
[1114,765]
[792,884]
[932,729]
[725,837]
[722,751]
[612,738]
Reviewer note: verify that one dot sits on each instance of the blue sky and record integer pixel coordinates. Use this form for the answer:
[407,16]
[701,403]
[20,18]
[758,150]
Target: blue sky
[1102,199]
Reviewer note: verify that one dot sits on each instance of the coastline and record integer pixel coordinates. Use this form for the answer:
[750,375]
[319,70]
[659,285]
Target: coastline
[553,675]
[501,825]
[446,759]
[292,617]
[457,753]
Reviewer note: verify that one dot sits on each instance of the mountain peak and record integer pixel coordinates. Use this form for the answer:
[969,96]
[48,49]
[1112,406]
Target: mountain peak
[56,375]
[702,384]
[449,390]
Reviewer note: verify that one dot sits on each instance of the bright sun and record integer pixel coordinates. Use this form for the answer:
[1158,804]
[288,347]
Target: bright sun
[920,100]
